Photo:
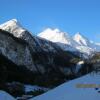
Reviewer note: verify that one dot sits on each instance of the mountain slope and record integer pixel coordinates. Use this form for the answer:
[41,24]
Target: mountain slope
[65,41]
[61,38]
[70,91]
[86,43]
[78,43]
[80,39]
[56,36]
[16,27]
[49,63]
[5,96]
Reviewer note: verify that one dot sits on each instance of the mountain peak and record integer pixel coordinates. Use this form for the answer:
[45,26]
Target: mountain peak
[13,26]
[79,35]
[13,20]
[63,39]
[80,39]
[54,35]
[9,23]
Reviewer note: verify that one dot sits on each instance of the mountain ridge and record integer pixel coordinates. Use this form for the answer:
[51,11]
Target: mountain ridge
[76,43]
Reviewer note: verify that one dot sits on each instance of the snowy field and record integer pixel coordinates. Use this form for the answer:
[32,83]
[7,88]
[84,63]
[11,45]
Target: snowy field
[83,88]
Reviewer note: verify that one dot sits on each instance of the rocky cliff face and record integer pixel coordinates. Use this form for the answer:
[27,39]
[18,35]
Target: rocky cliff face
[44,59]
[15,50]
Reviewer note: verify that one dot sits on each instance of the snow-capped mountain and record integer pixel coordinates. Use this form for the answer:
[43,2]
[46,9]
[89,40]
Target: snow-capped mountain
[13,26]
[57,36]
[78,42]
[80,39]
[84,41]
[61,38]
[86,44]
[17,30]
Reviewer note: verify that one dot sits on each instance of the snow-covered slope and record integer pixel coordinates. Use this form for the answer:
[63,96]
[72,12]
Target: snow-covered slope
[56,35]
[71,90]
[61,38]
[80,39]
[5,96]
[13,26]
[85,44]
[76,43]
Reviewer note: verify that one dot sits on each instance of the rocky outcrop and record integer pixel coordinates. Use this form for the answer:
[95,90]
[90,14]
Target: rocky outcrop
[15,50]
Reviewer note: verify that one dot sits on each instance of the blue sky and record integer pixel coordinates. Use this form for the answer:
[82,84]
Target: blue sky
[68,15]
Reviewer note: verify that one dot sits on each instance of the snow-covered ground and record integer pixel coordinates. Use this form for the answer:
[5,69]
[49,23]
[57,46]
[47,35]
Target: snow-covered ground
[5,96]
[83,88]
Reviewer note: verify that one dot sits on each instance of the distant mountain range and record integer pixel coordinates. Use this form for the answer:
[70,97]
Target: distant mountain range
[77,43]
